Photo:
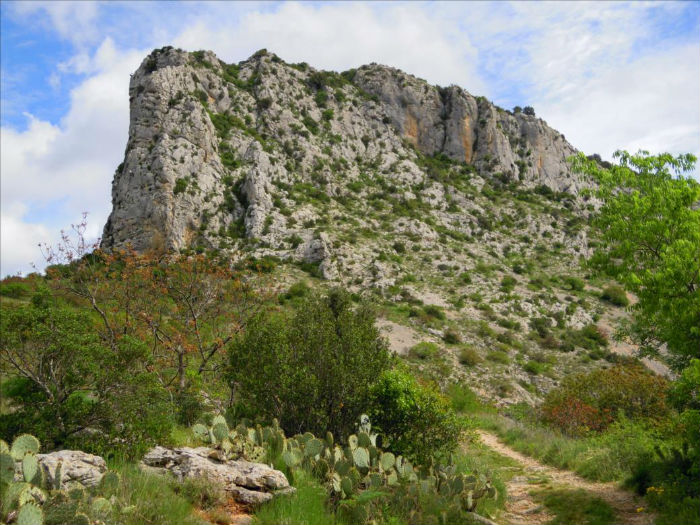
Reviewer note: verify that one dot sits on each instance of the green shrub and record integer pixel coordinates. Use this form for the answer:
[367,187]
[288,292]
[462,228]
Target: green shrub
[181,185]
[424,351]
[615,294]
[297,290]
[415,419]
[469,356]
[313,371]
[498,357]
[534,368]
[574,283]
[265,264]
[14,289]
[464,400]
[434,311]
[452,337]
[90,384]
[589,337]
[508,283]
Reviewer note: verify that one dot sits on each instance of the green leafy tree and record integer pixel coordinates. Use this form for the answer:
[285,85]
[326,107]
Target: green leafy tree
[313,371]
[650,227]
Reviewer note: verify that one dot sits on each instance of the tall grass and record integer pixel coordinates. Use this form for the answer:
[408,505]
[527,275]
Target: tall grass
[153,499]
[307,506]
[609,456]
[576,506]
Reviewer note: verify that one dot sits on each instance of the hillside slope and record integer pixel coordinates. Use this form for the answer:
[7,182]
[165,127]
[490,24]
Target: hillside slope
[463,218]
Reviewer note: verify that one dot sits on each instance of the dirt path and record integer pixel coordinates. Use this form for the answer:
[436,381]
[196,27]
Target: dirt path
[522,509]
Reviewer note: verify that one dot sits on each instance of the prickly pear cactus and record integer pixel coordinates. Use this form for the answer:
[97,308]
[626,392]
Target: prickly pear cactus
[30,469]
[24,444]
[7,468]
[30,514]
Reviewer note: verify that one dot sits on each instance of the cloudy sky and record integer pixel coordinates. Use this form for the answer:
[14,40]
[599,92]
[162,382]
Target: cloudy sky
[608,75]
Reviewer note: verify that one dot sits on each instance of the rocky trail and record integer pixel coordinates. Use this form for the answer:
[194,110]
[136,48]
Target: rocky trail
[522,508]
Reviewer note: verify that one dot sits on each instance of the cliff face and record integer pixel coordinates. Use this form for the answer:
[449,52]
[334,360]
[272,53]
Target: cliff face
[267,151]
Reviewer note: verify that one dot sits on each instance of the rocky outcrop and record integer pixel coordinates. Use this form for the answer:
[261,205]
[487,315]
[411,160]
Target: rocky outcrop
[77,468]
[248,483]
[452,122]
[265,156]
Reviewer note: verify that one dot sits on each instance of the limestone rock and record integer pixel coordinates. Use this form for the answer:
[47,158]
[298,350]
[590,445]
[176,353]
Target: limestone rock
[266,157]
[78,468]
[249,483]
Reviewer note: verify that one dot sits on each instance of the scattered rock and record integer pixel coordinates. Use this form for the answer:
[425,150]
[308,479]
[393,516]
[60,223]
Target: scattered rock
[77,467]
[248,483]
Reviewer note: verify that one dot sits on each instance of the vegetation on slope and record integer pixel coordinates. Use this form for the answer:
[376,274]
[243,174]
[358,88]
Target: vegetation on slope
[82,347]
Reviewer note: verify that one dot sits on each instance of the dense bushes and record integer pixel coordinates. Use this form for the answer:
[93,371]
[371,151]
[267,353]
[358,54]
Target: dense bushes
[65,379]
[415,419]
[312,372]
[590,402]
[671,478]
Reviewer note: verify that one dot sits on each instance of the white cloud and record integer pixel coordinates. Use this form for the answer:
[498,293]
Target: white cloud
[19,241]
[74,21]
[67,169]
[599,72]
[650,103]
[343,35]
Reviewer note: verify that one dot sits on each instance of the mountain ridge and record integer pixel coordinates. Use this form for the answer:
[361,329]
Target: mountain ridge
[212,146]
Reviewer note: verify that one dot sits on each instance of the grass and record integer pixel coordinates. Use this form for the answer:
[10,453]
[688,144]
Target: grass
[307,506]
[158,500]
[576,506]
[610,456]
[476,457]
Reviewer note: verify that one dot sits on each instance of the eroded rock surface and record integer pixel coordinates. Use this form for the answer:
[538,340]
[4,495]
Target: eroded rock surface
[76,467]
[249,483]
[263,151]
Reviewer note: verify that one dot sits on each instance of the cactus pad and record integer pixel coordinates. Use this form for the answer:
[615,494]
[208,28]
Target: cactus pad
[101,508]
[7,468]
[387,460]
[313,448]
[30,469]
[360,457]
[200,431]
[30,514]
[24,444]
[292,457]
[218,419]
[110,482]
[80,519]
[220,431]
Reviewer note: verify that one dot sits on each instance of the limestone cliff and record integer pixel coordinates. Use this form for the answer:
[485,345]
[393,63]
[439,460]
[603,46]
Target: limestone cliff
[280,154]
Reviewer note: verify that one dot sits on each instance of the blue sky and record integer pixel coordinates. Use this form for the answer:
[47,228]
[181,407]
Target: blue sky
[608,75]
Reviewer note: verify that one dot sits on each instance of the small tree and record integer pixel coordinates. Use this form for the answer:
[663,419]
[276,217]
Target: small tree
[529,111]
[416,420]
[312,372]
[184,308]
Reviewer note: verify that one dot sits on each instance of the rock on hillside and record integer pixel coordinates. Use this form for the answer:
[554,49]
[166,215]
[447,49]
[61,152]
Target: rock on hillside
[277,157]
[250,484]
